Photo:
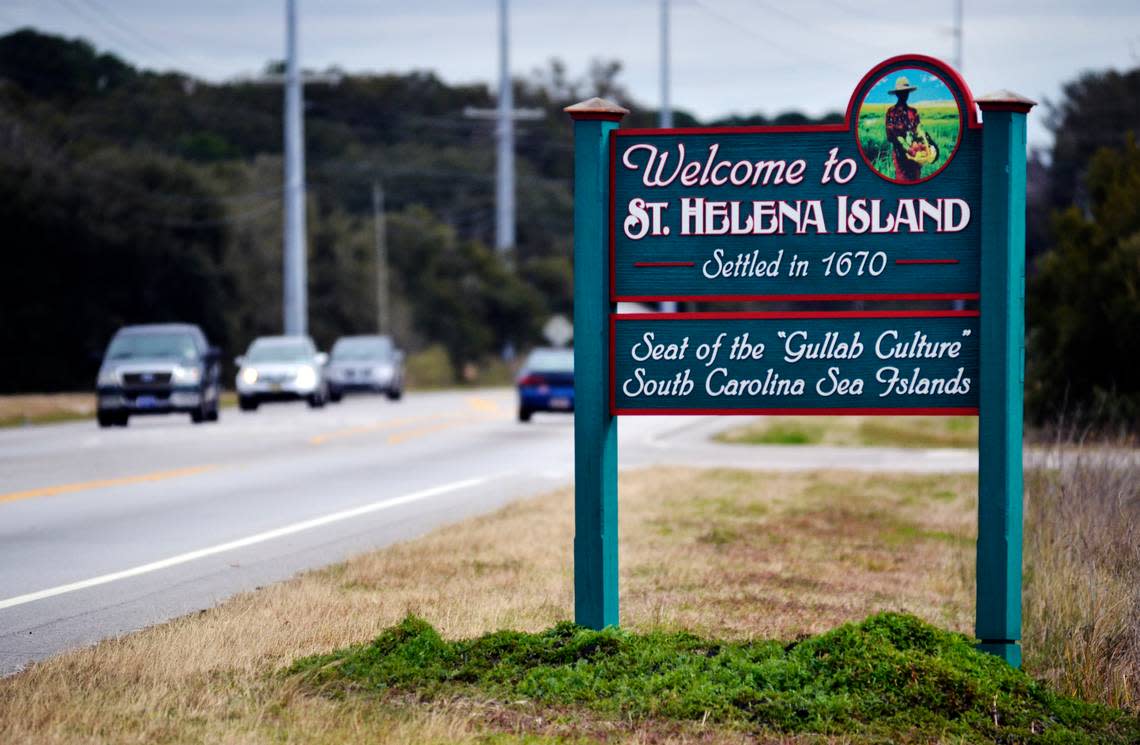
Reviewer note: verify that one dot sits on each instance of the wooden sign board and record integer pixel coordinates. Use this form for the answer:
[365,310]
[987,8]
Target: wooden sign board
[884,206]
[796,363]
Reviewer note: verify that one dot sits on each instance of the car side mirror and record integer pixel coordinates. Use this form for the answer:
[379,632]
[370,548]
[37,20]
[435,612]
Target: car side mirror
[322,358]
[239,360]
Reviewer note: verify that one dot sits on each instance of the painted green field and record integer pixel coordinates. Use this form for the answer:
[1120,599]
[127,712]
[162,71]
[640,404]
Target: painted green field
[939,118]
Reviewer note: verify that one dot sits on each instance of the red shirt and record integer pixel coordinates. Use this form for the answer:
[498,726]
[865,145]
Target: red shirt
[901,121]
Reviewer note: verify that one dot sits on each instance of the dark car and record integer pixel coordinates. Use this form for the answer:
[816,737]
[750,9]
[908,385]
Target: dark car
[158,369]
[546,382]
[366,363]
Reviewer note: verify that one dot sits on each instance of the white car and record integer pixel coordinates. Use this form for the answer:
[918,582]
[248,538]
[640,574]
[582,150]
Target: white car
[281,368]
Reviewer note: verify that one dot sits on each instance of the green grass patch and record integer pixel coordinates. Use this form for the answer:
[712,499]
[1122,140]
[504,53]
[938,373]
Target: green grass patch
[891,677]
[862,431]
[789,433]
[939,119]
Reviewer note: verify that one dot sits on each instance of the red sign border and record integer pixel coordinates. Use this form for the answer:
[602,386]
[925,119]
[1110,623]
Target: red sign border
[971,115]
[781,315]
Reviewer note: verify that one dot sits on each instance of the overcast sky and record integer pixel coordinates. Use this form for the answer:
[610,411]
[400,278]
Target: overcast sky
[728,55]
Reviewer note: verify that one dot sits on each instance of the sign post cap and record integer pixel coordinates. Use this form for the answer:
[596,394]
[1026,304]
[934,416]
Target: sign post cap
[1005,100]
[596,108]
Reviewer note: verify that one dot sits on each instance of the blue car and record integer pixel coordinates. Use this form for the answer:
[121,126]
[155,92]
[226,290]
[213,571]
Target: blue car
[546,382]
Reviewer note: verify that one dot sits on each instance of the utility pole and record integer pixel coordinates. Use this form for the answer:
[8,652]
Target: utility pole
[505,177]
[665,115]
[383,317]
[295,282]
[295,274]
[957,32]
[505,115]
[958,35]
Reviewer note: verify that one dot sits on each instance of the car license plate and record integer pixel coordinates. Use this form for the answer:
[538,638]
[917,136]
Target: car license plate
[275,387]
[146,402]
[560,403]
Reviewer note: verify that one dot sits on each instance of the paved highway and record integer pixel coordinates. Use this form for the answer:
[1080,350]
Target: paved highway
[107,531]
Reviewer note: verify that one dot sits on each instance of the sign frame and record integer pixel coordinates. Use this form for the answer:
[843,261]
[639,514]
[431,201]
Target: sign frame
[1001,295]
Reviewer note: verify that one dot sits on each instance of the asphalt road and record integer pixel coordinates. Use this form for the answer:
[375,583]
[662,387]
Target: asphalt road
[106,531]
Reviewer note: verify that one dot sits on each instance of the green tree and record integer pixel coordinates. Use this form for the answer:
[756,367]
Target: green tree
[1096,111]
[1084,304]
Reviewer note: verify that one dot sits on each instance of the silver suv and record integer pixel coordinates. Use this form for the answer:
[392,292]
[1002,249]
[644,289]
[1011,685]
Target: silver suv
[366,363]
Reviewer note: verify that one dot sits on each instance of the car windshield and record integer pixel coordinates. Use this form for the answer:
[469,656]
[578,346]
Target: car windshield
[285,350]
[551,360]
[152,346]
[362,349]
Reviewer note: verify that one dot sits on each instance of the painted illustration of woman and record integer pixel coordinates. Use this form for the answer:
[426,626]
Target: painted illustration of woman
[911,147]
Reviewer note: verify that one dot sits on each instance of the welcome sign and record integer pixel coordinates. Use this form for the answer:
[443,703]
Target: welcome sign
[881,207]
[912,201]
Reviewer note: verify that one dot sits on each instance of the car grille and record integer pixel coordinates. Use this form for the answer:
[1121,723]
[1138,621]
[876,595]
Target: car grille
[143,379]
[275,377]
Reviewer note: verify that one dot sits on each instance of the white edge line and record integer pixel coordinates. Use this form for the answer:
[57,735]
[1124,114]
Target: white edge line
[268,535]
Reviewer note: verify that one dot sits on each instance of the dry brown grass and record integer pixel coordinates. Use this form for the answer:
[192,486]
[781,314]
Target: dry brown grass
[725,552]
[30,408]
[1082,575]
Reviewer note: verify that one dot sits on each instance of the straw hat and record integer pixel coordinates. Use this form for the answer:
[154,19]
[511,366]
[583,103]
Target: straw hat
[902,85]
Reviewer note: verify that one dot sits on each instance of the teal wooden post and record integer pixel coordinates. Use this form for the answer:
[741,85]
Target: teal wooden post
[595,429]
[998,621]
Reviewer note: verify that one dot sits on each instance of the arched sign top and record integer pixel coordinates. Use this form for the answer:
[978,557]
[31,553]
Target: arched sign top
[948,74]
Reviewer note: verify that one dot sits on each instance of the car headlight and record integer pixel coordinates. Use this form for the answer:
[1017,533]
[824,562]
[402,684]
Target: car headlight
[107,376]
[306,377]
[187,375]
[249,375]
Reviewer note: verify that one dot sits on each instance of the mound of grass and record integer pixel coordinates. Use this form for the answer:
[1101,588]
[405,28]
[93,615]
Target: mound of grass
[891,677]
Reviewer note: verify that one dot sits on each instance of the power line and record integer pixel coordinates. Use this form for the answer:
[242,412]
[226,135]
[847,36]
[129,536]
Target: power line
[815,27]
[92,17]
[112,19]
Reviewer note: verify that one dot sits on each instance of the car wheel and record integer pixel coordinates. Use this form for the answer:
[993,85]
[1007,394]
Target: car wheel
[335,396]
[524,414]
[107,418]
[316,401]
[123,420]
[395,394]
[247,403]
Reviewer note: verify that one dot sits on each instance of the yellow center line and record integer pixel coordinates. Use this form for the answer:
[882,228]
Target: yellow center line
[485,405]
[51,491]
[366,428]
[398,437]
[475,403]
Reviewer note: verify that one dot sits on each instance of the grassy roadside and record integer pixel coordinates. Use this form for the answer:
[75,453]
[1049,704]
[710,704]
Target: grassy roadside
[865,431]
[735,556]
[25,409]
